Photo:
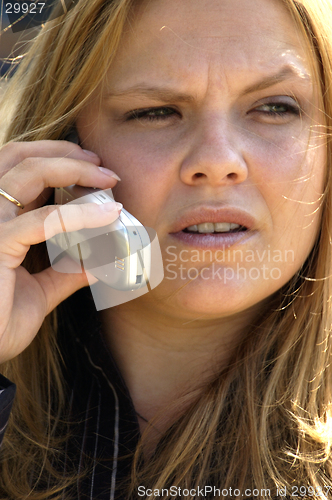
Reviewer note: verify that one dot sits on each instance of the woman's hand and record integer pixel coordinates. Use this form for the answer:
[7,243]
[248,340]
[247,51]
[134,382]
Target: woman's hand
[28,171]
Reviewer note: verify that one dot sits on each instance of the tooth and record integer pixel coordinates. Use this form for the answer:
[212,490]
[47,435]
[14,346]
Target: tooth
[206,227]
[223,227]
[209,227]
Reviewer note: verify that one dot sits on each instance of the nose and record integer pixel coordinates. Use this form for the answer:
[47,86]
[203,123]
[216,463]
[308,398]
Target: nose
[215,155]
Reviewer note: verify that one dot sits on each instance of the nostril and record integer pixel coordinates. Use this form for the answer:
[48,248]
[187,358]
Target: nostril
[199,174]
[232,176]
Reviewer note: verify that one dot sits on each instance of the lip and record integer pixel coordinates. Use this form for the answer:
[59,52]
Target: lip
[216,241]
[213,214]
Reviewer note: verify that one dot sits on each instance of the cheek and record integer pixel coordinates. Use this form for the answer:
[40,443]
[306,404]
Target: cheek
[136,157]
[291,170]
[290,178]
[146,172]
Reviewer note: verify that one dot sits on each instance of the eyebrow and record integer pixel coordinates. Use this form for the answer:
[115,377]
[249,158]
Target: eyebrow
[157,93]
[287,72]
[168,95]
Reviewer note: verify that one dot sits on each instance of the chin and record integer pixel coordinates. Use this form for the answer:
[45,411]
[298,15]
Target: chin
[199,297]
[216,298]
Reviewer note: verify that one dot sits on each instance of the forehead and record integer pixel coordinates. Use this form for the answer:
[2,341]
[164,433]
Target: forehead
[239,34]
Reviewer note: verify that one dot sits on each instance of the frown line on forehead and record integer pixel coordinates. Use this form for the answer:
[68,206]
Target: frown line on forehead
[165,94]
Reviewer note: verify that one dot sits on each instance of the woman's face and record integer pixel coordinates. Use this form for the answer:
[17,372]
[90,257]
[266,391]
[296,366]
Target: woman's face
[210,114]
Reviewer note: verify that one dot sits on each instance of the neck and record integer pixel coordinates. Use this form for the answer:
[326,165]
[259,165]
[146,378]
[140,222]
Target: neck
[165,360]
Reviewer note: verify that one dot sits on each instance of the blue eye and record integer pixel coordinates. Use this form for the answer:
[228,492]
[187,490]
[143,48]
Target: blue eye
[151,114]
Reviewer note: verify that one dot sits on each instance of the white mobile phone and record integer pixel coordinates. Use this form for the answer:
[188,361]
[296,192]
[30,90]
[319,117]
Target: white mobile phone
[119,255]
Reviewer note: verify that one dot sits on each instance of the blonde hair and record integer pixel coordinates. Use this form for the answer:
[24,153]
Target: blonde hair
[266,420]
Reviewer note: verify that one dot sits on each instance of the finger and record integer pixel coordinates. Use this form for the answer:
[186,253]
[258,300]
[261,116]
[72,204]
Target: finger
[40,201]
[34,227]
[33,297]
[27,180]
[15,152]
[57,286]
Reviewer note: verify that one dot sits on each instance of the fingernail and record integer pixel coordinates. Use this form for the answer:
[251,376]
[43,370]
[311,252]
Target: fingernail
[90,153]
[109,172]
[111,206]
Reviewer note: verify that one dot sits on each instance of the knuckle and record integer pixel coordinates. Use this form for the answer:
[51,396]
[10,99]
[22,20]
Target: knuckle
[85,208]
[47,221]
[68,144]
[72,212]
[3,232]
[74,164]
[27,163]
[79,215]
[29,170]
[88,211]
[9,147]
[46,211]
[42,217]
[16,149]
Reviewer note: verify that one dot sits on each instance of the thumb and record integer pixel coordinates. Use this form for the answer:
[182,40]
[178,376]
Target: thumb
[59,286]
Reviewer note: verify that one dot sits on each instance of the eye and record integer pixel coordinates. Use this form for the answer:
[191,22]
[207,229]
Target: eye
[162,113]
[277,111]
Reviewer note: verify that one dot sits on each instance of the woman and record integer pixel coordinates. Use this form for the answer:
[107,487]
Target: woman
[216,116]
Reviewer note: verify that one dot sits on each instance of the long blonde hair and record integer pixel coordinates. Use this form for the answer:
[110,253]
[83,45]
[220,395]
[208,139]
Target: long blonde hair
[266,420]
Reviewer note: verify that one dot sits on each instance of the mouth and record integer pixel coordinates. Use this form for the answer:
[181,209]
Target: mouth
[214,220]
[215,228]
[218,236]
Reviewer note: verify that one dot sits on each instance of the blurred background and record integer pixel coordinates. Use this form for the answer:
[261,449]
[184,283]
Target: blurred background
[13,44]
[20,21]
[16,32]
